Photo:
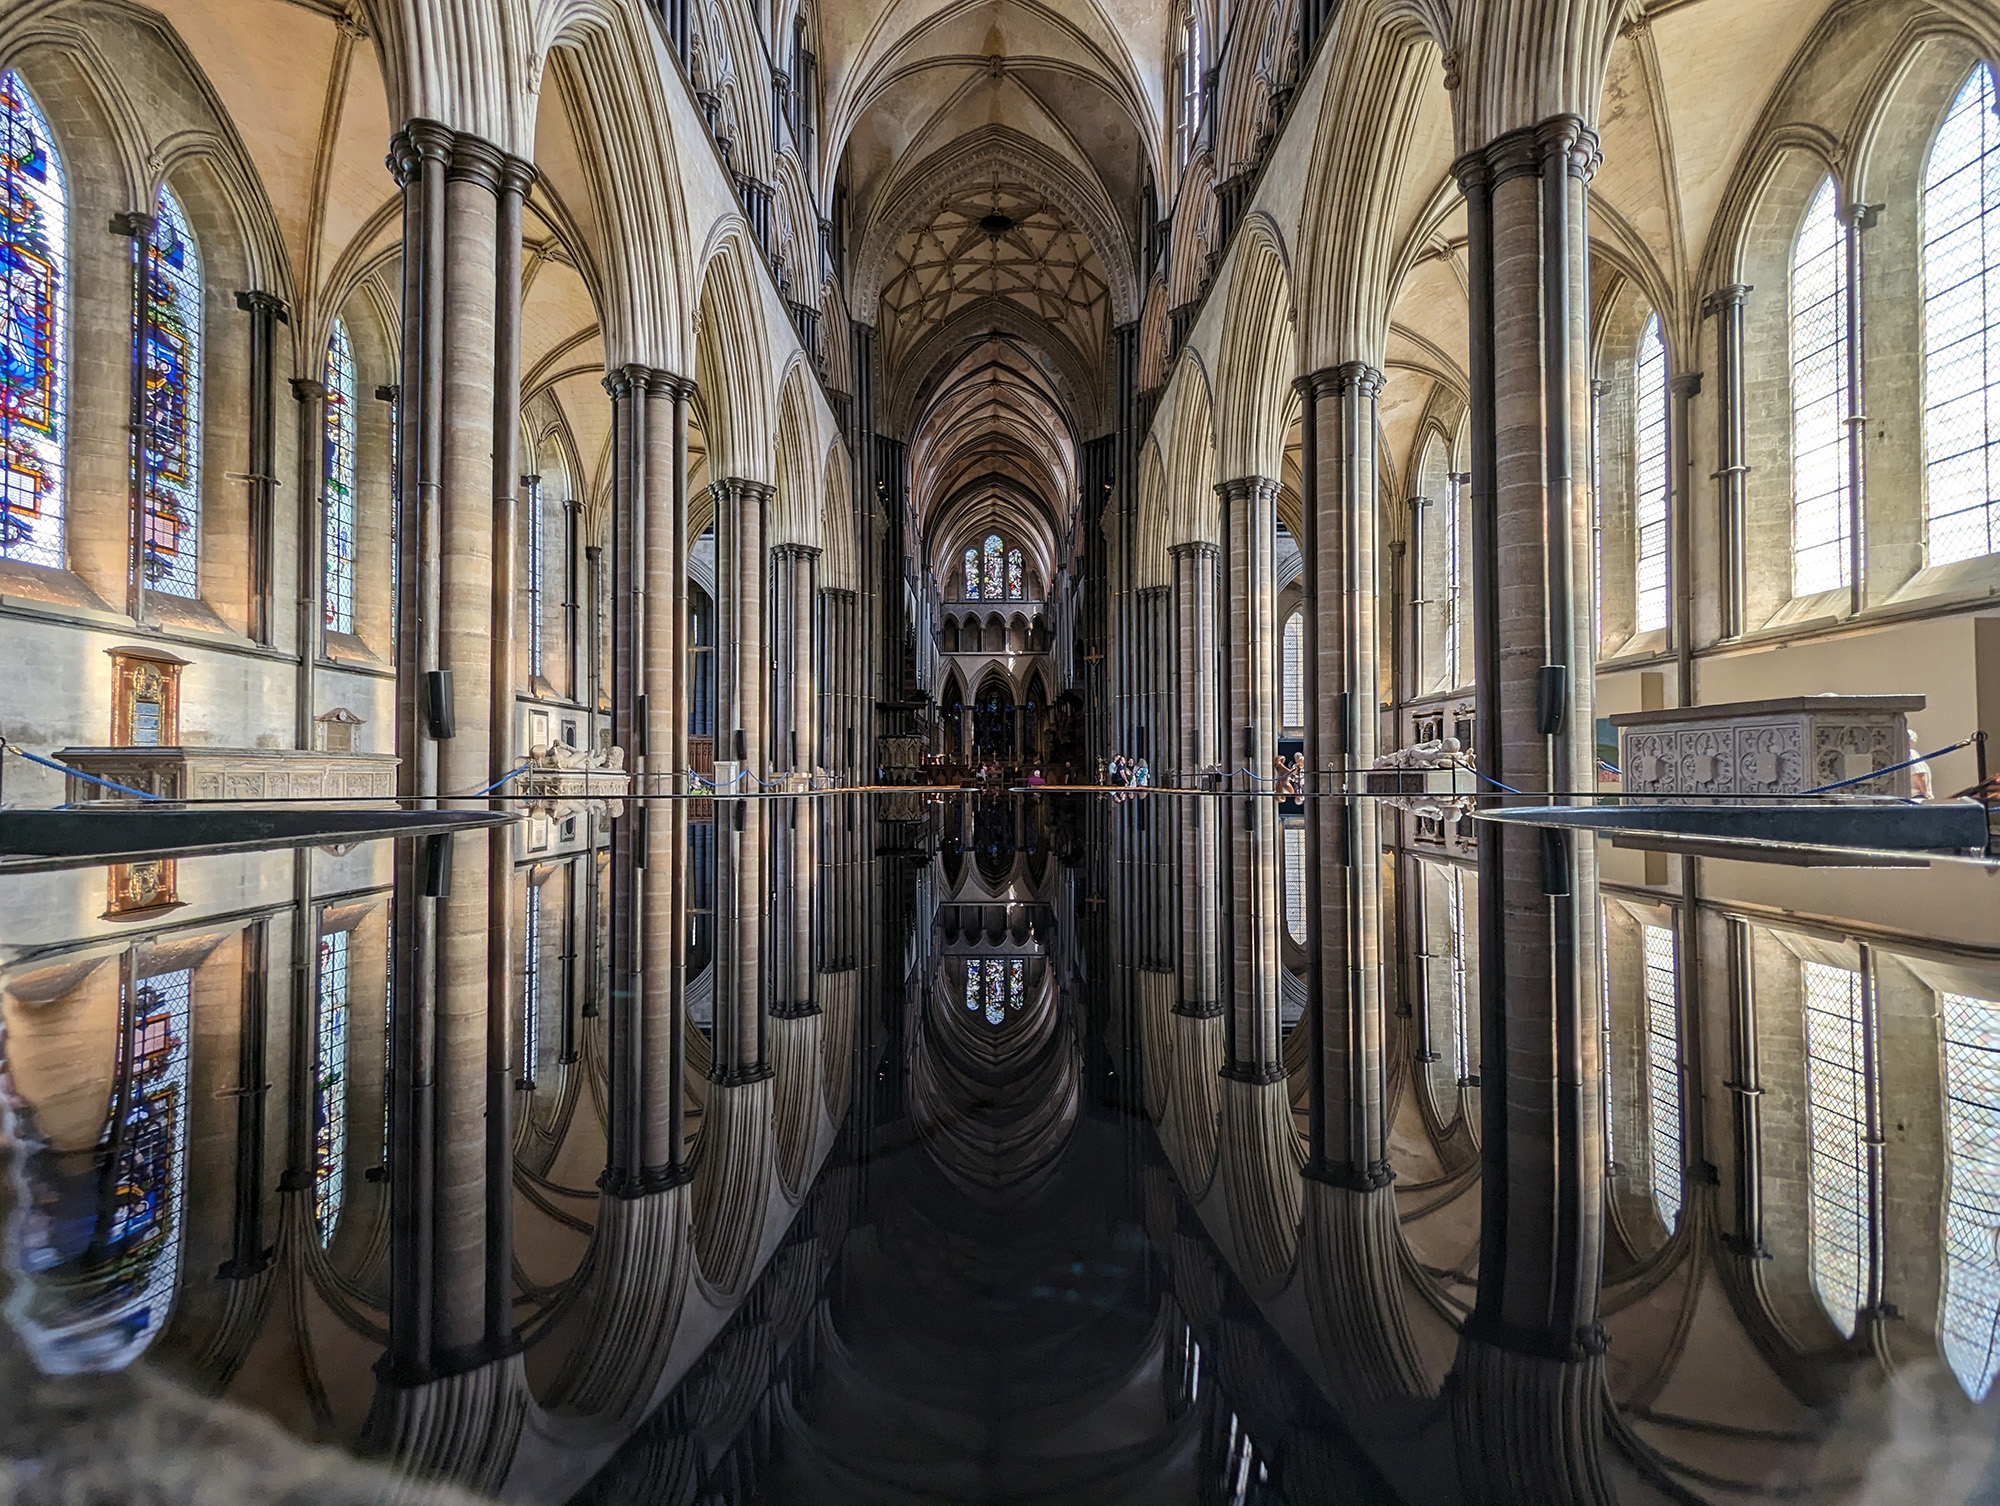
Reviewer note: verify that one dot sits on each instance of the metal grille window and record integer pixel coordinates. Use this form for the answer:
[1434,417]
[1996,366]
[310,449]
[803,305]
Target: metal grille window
[1821,490]
[330,1085]
[1841,1215]
[1663,1073]
[34,333]
[169,450]
[1649,452]
[337,504]
[1961,261]
[1969,1329]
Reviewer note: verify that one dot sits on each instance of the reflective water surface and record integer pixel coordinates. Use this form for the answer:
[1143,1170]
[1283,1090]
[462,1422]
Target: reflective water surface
[1030,1148]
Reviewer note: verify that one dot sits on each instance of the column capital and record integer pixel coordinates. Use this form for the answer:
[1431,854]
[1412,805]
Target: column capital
[741,489]
[1525,153]
[517,175]
[419,141]
[1198,549]
[638,378]
[474,160]
[1722,300]
[1338,381]
[1245,488]
[618,383]
[255,301]
[308,390]
[1685,384]
[676,386]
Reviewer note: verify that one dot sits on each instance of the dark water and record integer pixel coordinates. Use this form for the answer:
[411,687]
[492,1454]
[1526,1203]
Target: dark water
[921,1148]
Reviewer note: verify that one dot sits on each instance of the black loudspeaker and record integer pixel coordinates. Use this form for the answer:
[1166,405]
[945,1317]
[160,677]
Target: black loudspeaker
[437,866]
[1552,698]
[1249,742]
[437,704]
[641,733]
[1555,862]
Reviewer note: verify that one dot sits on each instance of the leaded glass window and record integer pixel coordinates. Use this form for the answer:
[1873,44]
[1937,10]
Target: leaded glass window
[170,442]
[1820,402]
[972,575]
[1961,214]
[330,1085]
[1663,1073]
[1841,1215]
[1649,451]
[536,565]
[1188,125]
[1969,1329]
[531,984]
[34,333]
[1017,581]
[993,586]
[1295,883]
[1292,677]
[337,510]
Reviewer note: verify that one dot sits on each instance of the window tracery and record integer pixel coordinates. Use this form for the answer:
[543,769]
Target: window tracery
[170,437]
[337,506]
[1821,482]
[1961,280]
[34,366]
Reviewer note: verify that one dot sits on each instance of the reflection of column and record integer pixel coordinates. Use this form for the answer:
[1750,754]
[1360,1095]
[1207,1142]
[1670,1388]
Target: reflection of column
[1200,914]
[1530,1356]
[738,1030]
[625,1148]
[662,1043]
[794,849]
[740,510]
[1250,895]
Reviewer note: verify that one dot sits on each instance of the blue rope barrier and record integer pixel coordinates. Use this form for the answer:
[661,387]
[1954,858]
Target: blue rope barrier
[488,789]
[1908,763]
[1494,782]
[63,768]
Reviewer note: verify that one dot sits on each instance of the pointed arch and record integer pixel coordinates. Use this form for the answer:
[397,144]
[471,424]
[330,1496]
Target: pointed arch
[730,360]
[1194,516]
[1259,360]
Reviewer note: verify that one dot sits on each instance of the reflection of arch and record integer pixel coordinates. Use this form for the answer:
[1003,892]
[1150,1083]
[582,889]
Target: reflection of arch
[1034,716]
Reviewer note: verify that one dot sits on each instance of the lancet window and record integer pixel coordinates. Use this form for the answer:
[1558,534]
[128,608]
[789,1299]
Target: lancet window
[34,364]
[337,507]
[1663,1073]
[1649,451]
[1841,1218]
[1821,479]
[170,437]
[1969,1328]
[1961,269]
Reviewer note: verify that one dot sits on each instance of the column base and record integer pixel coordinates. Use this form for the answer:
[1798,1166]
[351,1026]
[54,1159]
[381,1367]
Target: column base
[1528,1416]
[737,1077]
[1198,1009]
[1250,1072]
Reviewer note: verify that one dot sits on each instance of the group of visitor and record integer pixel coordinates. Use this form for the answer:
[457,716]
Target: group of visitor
[1127,773]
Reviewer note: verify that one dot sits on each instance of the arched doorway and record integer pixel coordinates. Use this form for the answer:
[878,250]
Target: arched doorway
[993,719]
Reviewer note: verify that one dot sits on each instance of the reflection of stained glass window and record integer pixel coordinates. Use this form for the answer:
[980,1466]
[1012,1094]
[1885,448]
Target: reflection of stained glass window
[531,984]
[1820,399]
[994,587]
[1836,1129]
[1017,576]
[330,1085]
[1970,1326]
[34,294]
[337,513]
[972,575]
[972,977]
[1017,983]
[1962,329]
[150,1144]
[171,442]
[994,986]
[1649,419]
[1663,1073]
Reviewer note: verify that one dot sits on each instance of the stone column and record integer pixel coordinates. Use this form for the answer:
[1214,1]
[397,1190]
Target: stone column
[625,1148]
[1530,1357]
[1250,705]
[1195,582]
[663,672]
[1725,306]
[805,661]
[1348,1108]
[677,526]
[310,561]
[782,668]
[740,512]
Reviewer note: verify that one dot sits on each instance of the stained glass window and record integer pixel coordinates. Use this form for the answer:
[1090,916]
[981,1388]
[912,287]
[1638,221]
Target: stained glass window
[531,984]
[1841,1218]
[330,1085]
[1961,211]
[34,366]
[994,986]
[972,575]
[1649,450]
[1820,491]
[337,511]
[1663,1073]
[170,450]
[1970,1327]
[994,586]
[1293,678]
[1017,576]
